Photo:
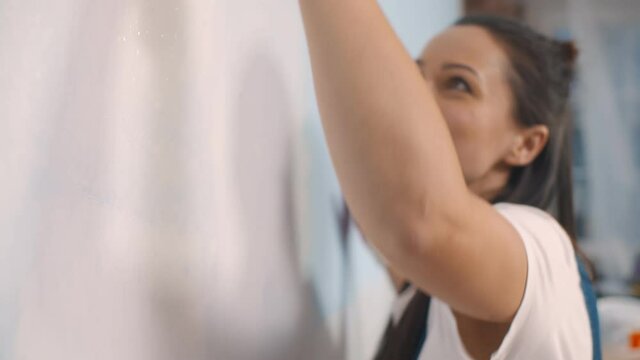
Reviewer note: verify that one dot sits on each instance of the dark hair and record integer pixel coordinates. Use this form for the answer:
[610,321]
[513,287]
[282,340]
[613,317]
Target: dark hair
[540,76]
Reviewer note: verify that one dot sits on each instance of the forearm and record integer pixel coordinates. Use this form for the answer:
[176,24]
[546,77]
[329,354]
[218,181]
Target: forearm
[389,144]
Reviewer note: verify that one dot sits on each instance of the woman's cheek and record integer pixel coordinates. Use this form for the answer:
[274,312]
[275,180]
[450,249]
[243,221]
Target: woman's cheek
[459,118]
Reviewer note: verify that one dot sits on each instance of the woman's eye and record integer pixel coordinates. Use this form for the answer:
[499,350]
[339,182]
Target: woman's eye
[459,84]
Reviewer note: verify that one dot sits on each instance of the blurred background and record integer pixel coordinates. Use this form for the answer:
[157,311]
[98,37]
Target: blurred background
[166,192]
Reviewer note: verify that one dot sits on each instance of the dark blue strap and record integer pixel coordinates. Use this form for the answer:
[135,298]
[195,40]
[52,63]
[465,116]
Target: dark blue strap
[404,340]
[423,331]
[592,309]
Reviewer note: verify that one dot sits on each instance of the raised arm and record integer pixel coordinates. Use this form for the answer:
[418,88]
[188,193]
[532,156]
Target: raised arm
[398,168]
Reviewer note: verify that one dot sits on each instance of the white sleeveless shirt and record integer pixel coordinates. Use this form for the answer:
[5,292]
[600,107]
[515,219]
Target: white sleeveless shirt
[552,321]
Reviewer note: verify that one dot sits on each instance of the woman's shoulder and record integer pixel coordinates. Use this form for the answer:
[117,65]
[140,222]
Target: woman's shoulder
[551,258]
[553,300]
[552,269]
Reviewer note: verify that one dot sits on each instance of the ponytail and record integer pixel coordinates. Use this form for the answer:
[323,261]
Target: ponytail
[564,183]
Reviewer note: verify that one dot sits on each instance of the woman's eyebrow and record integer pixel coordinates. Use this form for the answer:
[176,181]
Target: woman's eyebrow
[460,66]
[450,65]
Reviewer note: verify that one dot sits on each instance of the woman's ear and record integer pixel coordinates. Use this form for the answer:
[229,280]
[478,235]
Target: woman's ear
[528,143]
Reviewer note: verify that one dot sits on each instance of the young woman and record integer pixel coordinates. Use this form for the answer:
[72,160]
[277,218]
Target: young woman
[448,164]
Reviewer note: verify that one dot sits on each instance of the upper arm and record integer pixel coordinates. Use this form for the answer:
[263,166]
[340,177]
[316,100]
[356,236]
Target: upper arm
[472,258]
[401,178]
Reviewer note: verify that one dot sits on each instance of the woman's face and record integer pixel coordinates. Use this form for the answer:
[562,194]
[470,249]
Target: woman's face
[468,72]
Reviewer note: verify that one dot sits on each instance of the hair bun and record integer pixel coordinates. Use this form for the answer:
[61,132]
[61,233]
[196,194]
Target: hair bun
[569,51]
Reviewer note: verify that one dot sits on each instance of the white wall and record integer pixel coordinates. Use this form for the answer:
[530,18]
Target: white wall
[165,185]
